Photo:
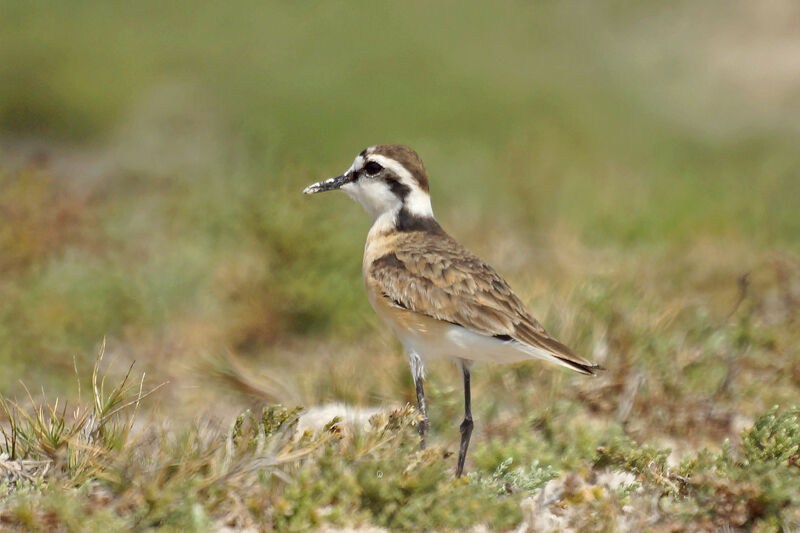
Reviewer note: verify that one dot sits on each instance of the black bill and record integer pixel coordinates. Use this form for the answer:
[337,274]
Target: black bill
[330,184]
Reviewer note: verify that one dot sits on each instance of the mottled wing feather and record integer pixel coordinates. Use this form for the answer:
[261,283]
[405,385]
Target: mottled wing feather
[441,279]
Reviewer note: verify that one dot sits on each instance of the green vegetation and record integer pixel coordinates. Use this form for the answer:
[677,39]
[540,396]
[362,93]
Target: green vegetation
[632,170]
[87,470]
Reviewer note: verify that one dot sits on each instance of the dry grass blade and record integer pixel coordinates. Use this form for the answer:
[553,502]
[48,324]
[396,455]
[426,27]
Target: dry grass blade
[108,406]
[10,437]
[79,442]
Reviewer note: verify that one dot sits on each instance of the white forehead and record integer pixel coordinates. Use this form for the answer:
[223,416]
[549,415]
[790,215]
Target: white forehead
[357,165]
[362,158]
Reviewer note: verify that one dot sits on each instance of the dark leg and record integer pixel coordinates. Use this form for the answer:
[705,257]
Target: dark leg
[423,409]
[466,425]
[417,371]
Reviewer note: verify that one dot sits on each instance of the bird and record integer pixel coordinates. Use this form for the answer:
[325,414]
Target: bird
[440,299]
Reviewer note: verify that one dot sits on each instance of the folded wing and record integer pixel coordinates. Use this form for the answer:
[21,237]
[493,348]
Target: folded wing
[441,279]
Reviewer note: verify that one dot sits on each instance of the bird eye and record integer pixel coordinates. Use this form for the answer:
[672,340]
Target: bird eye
[372,168]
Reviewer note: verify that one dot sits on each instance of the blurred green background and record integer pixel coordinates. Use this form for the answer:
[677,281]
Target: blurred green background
[152,157]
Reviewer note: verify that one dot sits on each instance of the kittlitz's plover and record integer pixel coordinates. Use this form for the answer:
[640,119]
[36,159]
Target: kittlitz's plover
[439,298]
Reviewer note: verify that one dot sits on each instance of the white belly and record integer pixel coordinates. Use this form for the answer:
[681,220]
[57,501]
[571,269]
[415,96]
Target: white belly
[457,342]
[432,339]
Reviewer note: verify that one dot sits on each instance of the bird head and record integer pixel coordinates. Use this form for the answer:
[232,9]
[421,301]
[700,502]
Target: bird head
[385,179]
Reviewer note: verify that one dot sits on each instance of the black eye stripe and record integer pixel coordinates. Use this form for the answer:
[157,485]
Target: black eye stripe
[399,189]
[372,168]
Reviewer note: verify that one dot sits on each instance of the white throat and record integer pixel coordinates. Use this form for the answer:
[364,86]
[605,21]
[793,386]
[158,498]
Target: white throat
[374,196]
[384,207]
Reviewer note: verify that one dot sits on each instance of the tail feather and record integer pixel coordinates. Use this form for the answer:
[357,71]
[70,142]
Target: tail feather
[540,340]
[590,369]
